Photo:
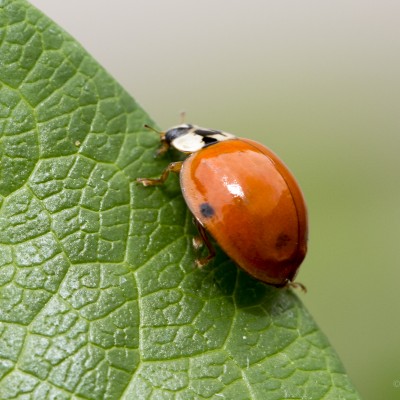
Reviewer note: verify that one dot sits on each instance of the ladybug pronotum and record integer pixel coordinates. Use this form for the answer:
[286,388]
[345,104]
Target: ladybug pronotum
[245,197]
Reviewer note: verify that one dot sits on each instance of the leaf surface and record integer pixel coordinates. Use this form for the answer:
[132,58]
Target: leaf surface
[99,297]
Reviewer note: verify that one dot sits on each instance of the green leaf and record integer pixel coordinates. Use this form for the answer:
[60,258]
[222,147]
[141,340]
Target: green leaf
[99,296]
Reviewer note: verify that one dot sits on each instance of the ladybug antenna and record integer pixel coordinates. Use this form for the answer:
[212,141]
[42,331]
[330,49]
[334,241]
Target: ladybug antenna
[164,143]
[162,134]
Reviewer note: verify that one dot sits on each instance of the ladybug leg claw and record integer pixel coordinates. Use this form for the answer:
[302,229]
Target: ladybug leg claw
[201,240]
[173,167]
[296,285]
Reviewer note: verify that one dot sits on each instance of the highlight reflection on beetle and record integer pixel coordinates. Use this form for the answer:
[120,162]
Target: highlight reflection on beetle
[244,196]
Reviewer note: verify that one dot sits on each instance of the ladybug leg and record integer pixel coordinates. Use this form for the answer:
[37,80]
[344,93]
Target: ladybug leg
[296,285]
[173,167]
[164,144]
[163,148]
[198,241]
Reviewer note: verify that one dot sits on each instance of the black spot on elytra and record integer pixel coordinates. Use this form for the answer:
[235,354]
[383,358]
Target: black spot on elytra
[282,241]
[206,210]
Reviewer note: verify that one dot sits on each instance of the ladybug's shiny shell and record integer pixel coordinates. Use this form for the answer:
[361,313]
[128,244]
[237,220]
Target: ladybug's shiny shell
[248,200]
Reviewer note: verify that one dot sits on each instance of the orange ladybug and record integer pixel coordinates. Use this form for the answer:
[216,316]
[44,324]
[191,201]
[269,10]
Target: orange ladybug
[242,194]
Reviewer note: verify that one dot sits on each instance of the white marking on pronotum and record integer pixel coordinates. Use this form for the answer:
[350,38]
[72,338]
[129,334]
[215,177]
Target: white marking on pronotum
[191,138]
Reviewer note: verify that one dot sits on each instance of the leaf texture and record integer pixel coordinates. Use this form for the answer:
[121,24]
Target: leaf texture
[99,297]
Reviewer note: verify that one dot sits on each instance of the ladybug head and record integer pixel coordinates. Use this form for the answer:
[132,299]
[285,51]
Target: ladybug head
[190,138]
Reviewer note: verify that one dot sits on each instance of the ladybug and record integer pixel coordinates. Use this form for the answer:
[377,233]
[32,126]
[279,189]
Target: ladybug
[244,196]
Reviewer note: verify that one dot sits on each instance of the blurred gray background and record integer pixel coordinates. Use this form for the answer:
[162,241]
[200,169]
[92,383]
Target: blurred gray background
[319,83]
